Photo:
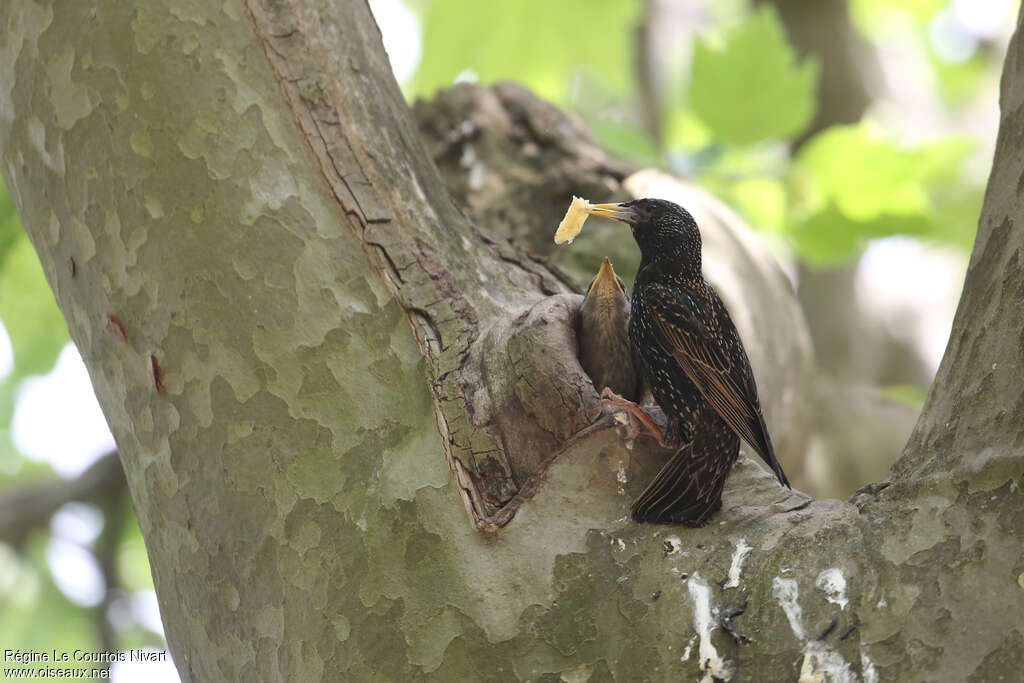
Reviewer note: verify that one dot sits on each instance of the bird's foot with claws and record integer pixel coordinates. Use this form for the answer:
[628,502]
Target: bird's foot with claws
[637,416]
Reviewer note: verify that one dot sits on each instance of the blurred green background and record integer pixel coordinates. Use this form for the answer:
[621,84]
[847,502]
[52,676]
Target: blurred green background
[856,137]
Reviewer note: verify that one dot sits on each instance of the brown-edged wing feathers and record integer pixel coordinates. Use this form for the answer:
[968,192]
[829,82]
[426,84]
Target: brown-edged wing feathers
[697,331]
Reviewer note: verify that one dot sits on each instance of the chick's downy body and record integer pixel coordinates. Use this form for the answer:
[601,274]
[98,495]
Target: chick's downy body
[605,352]
[690,355]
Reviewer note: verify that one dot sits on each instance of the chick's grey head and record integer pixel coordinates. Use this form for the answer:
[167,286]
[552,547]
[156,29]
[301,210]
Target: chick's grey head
[606,288]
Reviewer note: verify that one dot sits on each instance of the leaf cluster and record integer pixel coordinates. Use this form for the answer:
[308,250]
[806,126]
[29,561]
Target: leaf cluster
[727,110]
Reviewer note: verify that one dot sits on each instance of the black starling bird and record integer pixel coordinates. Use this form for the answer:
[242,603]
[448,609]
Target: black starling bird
[604,346]
[690,355]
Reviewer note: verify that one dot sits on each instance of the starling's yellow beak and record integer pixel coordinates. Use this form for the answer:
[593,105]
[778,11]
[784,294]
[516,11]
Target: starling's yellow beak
[605,280]
[616,212]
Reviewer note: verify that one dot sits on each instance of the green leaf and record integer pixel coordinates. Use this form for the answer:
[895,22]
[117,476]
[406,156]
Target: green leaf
[829,236]
[848,185]
[624,141]
[29,311]
[826,237]
[960,84]
[539,43]
[132,561]
[752,88]
[27,307]
[957,217]
[37,331]
[869,15]
[762,201]
[909,395]
[36,615]
[862,174]
[683,129]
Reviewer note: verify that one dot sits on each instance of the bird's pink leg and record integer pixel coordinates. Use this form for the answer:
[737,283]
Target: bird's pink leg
[637,415]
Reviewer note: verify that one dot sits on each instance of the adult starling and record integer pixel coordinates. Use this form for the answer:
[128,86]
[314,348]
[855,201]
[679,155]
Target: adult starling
[604,347]
[690,355]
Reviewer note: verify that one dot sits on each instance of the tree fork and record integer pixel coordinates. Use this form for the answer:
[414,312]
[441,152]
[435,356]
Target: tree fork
[280,460]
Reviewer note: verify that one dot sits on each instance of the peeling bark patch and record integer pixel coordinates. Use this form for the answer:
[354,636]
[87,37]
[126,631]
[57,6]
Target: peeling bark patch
[83,238]
[70,99]
[115,328]
[37,136]
[157,373]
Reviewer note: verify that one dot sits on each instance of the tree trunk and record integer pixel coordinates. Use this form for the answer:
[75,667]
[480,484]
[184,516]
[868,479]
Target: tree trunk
[241,223]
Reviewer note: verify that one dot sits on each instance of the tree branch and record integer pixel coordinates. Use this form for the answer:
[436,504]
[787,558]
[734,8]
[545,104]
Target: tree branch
[23,509]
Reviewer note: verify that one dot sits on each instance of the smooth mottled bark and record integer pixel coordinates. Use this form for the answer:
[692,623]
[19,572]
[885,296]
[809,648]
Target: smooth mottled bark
[315,366]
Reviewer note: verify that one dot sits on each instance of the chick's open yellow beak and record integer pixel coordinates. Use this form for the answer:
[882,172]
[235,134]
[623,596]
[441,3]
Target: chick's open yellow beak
[616,212]
[606,279]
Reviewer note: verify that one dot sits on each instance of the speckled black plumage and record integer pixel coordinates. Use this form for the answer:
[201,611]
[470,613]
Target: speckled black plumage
[605,353]
[688,489]
[690,355]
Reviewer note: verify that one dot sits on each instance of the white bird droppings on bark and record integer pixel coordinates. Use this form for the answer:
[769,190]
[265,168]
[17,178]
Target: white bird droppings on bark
[710,663]
[742,550]
[833,583]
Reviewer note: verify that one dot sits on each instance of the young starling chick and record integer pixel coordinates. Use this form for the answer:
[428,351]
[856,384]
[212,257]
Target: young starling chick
[691,356]
[605,353]
[604,346]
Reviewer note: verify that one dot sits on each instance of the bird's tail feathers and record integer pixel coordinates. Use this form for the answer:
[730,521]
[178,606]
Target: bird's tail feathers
[766,450]
[688,488]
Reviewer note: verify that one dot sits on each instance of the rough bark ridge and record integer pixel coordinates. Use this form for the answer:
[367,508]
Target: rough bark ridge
[247,263]
[972,418]
[368,151]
